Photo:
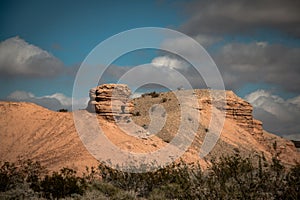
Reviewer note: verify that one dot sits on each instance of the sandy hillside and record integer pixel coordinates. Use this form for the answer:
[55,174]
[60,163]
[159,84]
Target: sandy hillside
[241,132]
[31,131]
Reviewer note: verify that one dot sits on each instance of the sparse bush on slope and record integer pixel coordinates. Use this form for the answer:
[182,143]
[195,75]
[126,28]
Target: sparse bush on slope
[62,110]
[230,177]
[152,94]
[62,184]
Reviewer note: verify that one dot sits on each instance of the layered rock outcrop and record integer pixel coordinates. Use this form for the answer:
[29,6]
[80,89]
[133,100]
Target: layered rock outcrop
[111,101]
[236,109]
[241,111]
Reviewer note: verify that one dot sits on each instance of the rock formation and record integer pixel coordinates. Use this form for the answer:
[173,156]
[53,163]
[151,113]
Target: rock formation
[33,132]
[236,109]
[111,101]
[241,111]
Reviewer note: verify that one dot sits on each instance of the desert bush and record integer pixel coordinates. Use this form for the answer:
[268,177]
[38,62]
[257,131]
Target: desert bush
[152,94]
[63,110]
[229,177]
[9,177]
[164,100]
[293,183]
[62,184]
[137,113]
[22,191]
[13,175]
[144,183]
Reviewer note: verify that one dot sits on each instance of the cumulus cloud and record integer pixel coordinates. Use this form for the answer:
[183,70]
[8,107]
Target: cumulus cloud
[154,76]
[53,102]
[167,68]
[19,58]
[239,63]
[166,61]
[184,46]
[259,62]
[136,95]
[242,16]
[278,115]
[243,63]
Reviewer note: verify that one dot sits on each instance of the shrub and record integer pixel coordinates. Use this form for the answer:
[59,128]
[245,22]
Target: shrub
[229,177]
[137,113]
[144,183]
[13,175]
[9,177]
[63,110]
[152,94]
[164,100]
[62,184]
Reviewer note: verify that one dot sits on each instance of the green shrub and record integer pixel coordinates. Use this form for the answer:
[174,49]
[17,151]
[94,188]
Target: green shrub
[9,177]
[13,175]
[229,177]
[62,184]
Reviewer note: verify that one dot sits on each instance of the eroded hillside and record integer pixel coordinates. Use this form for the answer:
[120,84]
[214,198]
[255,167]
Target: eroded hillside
[28,131]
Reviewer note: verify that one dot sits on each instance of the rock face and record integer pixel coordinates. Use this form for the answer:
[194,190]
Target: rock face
[111,101]
[236,109]
[241,111]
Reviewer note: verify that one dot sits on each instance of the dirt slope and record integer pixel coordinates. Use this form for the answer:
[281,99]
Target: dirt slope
[31,131]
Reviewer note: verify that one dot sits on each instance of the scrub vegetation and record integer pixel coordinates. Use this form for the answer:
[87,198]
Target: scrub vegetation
[230,177]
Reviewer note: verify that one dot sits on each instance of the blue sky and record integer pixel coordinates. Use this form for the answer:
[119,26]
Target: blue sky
[256,47]
[70,30]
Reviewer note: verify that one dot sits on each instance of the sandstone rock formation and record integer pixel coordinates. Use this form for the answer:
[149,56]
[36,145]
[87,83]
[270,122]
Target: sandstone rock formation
[241,111]
[111,101]
[239,131]
[32,132]
[236,109]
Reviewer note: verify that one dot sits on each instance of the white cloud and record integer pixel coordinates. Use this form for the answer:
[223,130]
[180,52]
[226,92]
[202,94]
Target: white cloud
[64,100]
[262,44]
[278,115]
[166,61]
[18,58]
[53,102]
[243,63]
[20,95]
[157,77]
[136,95]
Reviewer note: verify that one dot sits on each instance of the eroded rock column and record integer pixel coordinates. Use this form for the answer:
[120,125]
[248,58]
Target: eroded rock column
[111,101]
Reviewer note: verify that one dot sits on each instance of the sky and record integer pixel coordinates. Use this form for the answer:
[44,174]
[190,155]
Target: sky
[255,45]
